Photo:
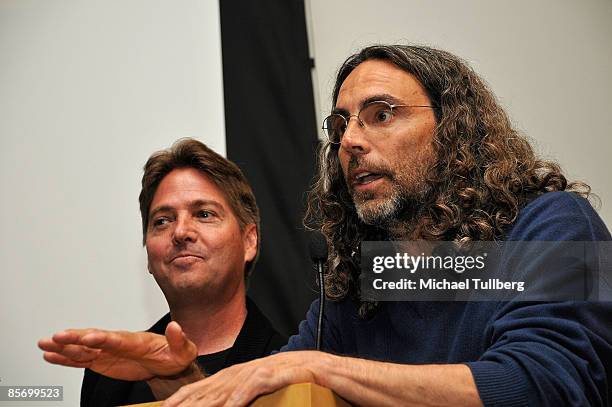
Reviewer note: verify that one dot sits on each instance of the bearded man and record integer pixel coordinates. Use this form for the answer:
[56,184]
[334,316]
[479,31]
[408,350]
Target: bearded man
[419,149]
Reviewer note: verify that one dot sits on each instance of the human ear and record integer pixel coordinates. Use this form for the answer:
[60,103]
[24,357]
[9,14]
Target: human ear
[249,237]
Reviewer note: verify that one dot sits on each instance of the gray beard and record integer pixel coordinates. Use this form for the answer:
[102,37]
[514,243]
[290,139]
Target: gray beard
[381,214]
[396,212]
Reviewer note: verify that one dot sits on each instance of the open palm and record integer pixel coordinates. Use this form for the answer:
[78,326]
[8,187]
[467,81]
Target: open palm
[121,354]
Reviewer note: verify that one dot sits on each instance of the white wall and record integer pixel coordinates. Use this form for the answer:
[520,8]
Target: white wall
[548,61]
[88,90]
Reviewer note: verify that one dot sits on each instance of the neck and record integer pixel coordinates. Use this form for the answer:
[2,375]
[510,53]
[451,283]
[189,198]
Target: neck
[401,230]
[213,326]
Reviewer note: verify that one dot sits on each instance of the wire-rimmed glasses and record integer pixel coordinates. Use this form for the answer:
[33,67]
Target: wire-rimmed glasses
[375,116]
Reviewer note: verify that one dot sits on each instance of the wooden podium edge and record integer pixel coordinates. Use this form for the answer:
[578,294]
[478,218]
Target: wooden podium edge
[294,395]
[301,395]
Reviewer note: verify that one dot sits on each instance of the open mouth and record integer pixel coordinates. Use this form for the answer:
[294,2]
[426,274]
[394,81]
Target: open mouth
[365,178]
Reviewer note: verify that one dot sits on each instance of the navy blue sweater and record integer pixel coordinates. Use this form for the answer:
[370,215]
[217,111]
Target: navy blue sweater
[520,353]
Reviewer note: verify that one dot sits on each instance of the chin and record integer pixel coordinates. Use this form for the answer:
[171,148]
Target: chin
[378,211]
[187,280]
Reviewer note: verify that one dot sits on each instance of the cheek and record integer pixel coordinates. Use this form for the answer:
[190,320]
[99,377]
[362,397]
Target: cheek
[155,249]
[344,159]
[223,240]
[417,140]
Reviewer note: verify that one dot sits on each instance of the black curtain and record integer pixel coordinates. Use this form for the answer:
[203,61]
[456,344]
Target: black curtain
[271,134]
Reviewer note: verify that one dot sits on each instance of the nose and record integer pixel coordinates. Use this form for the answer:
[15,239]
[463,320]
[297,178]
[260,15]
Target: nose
[184,231]
[354,139]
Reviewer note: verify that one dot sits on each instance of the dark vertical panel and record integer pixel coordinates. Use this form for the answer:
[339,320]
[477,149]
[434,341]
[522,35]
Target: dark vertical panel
[271,135]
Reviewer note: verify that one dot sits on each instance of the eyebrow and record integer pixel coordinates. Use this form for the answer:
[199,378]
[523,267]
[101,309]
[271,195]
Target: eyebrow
[384,97]
[193,204]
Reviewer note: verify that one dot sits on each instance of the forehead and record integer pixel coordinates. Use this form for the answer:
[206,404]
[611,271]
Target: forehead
[378,77]
[184,185]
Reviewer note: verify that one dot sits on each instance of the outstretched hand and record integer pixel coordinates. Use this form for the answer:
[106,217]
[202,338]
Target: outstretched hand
[121,354]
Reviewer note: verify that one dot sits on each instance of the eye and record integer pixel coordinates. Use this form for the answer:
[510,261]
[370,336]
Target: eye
[377,114]
[204,214]
[161,221]
[383,115]
[337,124]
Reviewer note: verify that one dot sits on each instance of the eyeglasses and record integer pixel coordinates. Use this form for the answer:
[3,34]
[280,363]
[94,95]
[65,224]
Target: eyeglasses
[375,116]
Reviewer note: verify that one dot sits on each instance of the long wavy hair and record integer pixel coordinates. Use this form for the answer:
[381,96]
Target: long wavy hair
[484,172]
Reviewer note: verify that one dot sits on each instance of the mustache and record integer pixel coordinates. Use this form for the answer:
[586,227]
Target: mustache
[361,162]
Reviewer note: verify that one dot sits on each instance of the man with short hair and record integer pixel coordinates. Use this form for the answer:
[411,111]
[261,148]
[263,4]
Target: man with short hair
[200,226]
[419,149]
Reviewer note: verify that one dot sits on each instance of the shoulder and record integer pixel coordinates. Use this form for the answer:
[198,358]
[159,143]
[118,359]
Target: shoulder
[338,320]
[557,216]
[258,329]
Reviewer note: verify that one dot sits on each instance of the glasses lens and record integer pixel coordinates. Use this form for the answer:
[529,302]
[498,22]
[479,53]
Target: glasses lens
[334,126]
[376,114]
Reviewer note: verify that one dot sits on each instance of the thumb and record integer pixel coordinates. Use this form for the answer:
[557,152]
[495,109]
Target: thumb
[179,344]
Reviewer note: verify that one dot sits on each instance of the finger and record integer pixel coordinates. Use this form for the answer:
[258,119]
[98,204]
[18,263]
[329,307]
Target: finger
[98,339]
[240,397]
[79,353]
[201,399]
[186,394]
[58,359]
[175,335]
[116,341]
[91,337]
[48,344]
[127,344]
[242,392]
[76,353]
[216,390]
[178,342]
[72,336]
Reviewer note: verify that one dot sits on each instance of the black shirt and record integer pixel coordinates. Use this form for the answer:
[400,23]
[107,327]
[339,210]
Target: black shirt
[213,362]
[256,339]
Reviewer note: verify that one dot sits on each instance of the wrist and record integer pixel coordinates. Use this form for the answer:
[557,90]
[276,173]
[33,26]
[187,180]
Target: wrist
[163,387]
[322,367]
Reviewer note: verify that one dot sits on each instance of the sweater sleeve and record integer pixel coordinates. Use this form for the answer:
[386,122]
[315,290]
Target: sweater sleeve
[305,338]
[331,339]
[549,353]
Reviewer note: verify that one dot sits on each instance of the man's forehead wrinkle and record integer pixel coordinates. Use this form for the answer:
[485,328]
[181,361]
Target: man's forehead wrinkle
[376,77]
[193,203]
[365,86]
[386,97]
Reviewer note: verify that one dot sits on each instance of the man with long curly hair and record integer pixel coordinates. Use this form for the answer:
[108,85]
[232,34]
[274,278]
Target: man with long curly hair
[419,149]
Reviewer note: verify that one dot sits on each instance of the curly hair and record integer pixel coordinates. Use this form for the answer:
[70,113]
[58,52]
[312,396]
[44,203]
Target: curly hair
[484,172]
